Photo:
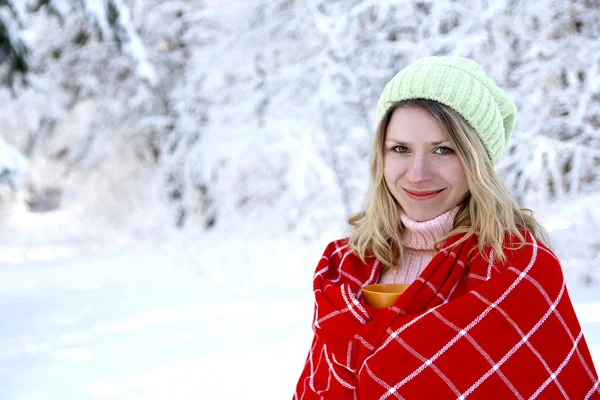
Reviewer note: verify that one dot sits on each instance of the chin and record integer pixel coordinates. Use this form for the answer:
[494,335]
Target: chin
[424,218]
[420,216]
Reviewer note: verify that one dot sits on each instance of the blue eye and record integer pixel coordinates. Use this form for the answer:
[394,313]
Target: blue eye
[443,150]
[400,149]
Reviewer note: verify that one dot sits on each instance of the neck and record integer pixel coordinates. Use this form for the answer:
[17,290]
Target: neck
[423,235]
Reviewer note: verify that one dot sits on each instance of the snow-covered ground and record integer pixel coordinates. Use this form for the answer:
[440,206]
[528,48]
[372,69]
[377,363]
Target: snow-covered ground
[154,319]
[90,316]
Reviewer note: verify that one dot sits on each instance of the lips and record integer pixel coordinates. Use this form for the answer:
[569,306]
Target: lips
[418,195]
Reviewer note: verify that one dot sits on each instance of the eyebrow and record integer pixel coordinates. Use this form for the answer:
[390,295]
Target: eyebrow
[406,143]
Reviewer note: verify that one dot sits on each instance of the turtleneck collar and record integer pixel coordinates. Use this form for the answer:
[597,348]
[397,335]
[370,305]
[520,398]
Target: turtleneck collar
[423,235]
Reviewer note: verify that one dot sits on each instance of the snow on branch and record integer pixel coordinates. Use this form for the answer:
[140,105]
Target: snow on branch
[113,19]
[12,165]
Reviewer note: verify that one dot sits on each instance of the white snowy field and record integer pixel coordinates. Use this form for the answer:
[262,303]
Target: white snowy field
[150,319]
[90,316]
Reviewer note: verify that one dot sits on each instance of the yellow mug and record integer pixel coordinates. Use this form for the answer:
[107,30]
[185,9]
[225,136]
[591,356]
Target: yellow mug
[383,295]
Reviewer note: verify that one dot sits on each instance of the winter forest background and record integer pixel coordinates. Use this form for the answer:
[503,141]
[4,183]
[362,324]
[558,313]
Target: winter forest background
[236,133]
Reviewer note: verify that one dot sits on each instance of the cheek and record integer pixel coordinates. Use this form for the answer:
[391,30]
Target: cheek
[392,168]
[388,170]
[455,175]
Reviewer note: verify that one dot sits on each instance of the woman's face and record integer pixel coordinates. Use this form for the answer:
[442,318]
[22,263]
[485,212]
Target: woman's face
[421,167]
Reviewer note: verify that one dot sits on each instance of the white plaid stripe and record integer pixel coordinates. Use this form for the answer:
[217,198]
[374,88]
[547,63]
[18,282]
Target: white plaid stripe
[427,362]
[372,277]
[338,312]
[312,375]
[396,332]
[357,303]
[318,320]
[452,291]
[433,289]
[489,270]
[349,356]
[343,290]
[314,368]
[332,370]
[562,321]
[396,309]
[316,317]
[364,342]
[341,272]
[560,367]
[308,361]
[413,321]
[528,344]
[550,253]
[330,315]
[592,390]
[481,351]
[338,249]
[516,347]
[341,364]
[345,297]
[438,294]
[467,328]
[351,277]
[320,272]
[328,383]
[448,253]
[387,387]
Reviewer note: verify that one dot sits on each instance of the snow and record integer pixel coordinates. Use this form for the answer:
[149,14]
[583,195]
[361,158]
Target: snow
[19,7]
[12,165]
[217,97]
[133,45]
[97,12]
[94,314]
[160,318]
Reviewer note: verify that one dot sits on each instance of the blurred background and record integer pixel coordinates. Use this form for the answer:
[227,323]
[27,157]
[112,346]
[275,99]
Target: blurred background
[170,172]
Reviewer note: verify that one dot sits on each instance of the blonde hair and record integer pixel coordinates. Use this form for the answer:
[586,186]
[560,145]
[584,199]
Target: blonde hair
[489,211]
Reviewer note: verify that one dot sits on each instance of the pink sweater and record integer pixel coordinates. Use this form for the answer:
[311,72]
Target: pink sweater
[419,241]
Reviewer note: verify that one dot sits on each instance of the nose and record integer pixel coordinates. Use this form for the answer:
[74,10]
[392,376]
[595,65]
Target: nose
[419,170]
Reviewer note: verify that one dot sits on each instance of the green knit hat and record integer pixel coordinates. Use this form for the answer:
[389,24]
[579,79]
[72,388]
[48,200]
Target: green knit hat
[461,84]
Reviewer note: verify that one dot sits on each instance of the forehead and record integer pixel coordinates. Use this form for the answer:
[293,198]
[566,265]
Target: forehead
[414,124]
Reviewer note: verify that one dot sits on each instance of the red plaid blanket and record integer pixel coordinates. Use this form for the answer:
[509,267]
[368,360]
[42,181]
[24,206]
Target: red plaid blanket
[463,329]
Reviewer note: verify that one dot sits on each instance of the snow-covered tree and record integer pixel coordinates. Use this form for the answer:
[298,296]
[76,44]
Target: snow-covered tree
[14,53]
[555,75]
[12,165]
[89,83]
[258,115]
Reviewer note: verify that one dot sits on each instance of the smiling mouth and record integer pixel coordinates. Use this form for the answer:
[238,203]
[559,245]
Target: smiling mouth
[422,195]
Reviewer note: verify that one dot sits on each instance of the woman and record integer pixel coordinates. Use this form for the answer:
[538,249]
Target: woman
[487,314]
